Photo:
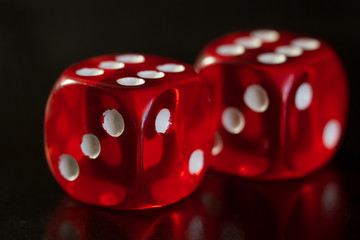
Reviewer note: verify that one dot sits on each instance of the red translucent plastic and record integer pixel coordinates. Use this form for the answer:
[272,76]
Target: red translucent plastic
[280,103]
[122,138]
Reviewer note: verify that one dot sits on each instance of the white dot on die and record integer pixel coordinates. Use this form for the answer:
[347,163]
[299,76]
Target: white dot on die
[303,96]
[111,65]
[130,81]
[306,43]
[196,162]
[289,51]
[230,50]
[68,166]
[256,98]
[90,146]
[249,42]
[331,134]
[271,58]
[130,58]
[171,67]
[218,145]
[150,74]
[233,120]
[89,72]
[207,61]
[113,123]
[162,122]
[266,35]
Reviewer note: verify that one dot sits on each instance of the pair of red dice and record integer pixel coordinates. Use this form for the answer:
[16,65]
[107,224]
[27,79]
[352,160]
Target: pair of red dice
[132,131]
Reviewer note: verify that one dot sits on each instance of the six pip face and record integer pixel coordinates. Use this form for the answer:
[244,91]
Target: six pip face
[280,102]
[132,131]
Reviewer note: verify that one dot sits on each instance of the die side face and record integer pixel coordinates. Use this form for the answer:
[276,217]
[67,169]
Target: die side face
[117,140]
[271,108]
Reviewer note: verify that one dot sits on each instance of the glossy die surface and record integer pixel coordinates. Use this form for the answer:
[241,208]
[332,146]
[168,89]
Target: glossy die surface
[128,131]
[280,101]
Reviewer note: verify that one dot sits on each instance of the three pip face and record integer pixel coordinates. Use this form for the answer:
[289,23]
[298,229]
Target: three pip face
[133,131]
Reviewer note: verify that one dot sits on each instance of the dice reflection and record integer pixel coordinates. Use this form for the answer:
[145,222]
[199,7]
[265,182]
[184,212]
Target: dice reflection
[224,207]
[308,208]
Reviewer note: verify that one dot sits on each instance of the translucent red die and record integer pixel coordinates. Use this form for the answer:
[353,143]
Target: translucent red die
[128,131]
[280,100]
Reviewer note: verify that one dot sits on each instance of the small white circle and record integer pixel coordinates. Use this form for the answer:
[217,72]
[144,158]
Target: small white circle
[256,98]
[68,166]
[266,35]
[196,162]
[130,58]
[289,51]
[89,72]
[303,96]
[249,42]
[233,120]
[162,122]
[308,44]
[230,50]
[150,74]
[113,123]
[331,134]
[90,146]
[218,145]
[111,65]
[271,58]
[171,67]
[130,81]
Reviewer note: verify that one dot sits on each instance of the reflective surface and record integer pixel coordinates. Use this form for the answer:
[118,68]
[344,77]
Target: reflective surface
[224,207]
[324,205]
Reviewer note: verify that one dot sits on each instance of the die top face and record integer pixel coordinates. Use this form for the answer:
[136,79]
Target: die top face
[129,71]
[264,49]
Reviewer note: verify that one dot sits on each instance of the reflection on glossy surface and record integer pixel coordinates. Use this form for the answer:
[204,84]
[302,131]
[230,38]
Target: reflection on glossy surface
[224,207]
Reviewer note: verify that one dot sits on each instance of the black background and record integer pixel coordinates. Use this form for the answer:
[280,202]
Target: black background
[39,39]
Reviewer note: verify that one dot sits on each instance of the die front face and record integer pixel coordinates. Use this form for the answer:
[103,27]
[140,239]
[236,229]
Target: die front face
[280,101]
[128,131]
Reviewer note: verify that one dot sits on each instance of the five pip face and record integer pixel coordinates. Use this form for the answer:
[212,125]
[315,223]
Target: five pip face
[132,131]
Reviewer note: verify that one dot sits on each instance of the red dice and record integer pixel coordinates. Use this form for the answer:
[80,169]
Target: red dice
[129,131]
[280,101]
